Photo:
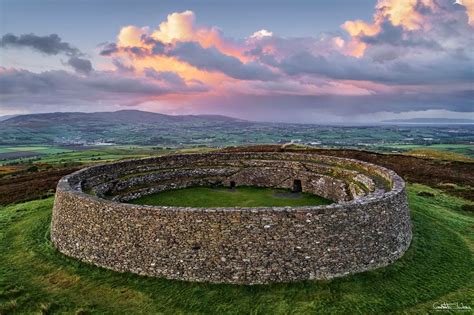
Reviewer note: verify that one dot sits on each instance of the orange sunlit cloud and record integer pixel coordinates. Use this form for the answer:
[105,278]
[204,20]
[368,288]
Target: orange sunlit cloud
[469,4]
[401,13]
[178,27]
[408,49]
[130,36]
[182,27]
[404,13]
[358,27]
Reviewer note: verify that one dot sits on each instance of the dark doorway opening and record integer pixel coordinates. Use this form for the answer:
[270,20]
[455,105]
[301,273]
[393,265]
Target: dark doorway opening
[297,186]
[232,185]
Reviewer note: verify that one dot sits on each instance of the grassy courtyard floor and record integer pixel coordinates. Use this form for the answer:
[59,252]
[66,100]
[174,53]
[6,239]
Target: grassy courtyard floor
[225,197]
[438,267]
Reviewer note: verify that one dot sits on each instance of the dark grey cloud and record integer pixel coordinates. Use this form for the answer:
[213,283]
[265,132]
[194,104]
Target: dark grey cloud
[158,46]
[80,65]
[112,48]
[167,76]
[398,71]
[137,51]
[211,59]
[49,44]
[175,81]
[109,49]
[396,36]
[23,81]
[123,68]
[22,89]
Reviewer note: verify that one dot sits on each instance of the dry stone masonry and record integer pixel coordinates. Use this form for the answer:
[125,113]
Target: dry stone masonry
[367,227]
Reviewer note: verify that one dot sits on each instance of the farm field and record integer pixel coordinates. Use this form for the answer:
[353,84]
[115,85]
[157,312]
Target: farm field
[135,128]
[225,197]
[84,155]
[12,155]
[39,149]
[17,152]
[438,267]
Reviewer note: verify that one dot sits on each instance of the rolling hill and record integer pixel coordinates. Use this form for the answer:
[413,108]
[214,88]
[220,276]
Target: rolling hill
[124,127]
[123,116]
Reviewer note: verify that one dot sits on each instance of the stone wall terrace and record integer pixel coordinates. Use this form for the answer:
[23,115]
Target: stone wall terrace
[367,227]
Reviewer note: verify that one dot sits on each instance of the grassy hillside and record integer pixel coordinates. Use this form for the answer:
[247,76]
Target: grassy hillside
[438,267]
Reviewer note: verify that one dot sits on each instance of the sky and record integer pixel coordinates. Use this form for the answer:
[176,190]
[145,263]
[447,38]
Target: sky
[334,61]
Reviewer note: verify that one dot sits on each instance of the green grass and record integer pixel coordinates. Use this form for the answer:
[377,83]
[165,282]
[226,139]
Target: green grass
[37,149]
[224,197]
[461,152]
[92,155]
[8,149]
[438,267]
[99,155]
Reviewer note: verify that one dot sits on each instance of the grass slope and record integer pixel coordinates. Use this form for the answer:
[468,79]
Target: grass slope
[224,197]
[449,152]
[438,267]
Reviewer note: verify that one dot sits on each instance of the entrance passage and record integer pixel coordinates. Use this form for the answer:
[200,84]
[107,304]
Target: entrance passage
[232,185]
[297,186]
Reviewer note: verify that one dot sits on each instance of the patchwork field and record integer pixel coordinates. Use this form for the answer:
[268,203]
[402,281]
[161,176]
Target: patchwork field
[80,154]
[17,152]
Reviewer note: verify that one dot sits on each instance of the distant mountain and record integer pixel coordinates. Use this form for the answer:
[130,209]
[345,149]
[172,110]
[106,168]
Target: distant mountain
[121,127]
[443,121]
[5,117]
[122,116]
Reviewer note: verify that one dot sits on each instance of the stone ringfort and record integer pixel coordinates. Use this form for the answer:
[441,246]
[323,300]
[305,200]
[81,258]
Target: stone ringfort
[367,227]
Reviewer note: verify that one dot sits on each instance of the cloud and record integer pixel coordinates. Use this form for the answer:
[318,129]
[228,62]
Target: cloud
[164,76]
[410,23]
[178,26]
[402,71]
[15,82]
[109,49]
[211,59]
[22,88]
[409,42]
[181,26]
[414,55]
[174,81]
[120,67]
[131,36]
[261,34]
[192,53]
[49,45]
[80,65]
[390,34]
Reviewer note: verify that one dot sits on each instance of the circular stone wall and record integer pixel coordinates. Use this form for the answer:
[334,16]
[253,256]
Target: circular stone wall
[367,227]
